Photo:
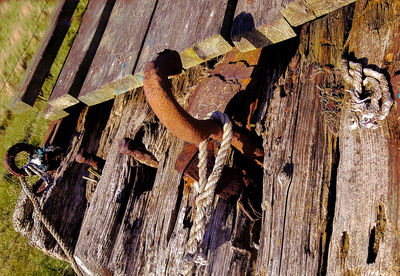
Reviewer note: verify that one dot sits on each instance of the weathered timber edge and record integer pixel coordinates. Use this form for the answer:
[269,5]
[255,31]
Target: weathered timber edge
[254,29]
[40,65]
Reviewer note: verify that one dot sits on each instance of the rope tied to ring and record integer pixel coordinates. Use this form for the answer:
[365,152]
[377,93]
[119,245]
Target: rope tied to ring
[206,191]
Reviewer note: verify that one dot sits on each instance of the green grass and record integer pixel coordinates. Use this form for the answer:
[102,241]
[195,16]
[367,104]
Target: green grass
[23,24]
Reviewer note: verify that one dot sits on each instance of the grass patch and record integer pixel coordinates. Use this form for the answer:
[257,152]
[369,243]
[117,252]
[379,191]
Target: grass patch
[23,25]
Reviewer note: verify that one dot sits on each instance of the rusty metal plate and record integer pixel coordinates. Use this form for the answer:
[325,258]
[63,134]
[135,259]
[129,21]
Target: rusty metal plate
[225,81]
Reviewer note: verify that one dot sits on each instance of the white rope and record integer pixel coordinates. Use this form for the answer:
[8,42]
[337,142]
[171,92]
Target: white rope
[205,197]
[36,206]
[366,114]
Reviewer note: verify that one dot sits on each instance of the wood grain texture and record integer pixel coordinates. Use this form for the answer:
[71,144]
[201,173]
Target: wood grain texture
[52,113]
[118,50]
[136,223]
[259,23]
[297,13]
[100,225]
[367,207]
[330,200]
[81,55]
[321,8]
[39,67]
[196,29]
[64,204]
[300,156]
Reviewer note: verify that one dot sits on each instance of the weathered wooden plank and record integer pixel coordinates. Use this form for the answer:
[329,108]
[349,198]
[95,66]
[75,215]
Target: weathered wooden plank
[139,227]
[297,13]
[321,8]
[259,23]
[118,50]
[100,225]
[198,30]
[299,156]
[365,229]
[81,55]
[64,204]
[197,33]
[40,65]
[52,113]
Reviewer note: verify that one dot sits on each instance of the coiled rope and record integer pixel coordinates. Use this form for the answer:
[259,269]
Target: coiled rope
[206,191]
[366,114]
[36,206]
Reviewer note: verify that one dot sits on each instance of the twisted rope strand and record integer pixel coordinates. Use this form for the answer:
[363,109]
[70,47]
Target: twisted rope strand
[205,197]
[368,113]
[36,206]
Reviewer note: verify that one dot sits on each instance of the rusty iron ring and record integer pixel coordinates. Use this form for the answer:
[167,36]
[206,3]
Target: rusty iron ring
[9,158]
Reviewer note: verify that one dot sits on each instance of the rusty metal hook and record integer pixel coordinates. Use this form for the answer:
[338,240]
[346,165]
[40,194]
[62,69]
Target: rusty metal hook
[176,119]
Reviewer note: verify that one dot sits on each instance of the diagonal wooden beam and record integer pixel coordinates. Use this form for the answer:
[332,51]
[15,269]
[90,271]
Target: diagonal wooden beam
[40,65]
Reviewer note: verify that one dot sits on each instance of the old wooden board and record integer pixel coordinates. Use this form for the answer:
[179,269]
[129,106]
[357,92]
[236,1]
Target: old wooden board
[81,55]
[52,113]
[39,67]
[65,203]
[366,225]
[259,23]
[297,13]
[137,223]
[323,7]
[101,224]
[118,50]
[199,30]
[300,154]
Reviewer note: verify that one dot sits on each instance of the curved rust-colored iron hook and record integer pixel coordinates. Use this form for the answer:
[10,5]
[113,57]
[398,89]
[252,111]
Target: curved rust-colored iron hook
[176,119]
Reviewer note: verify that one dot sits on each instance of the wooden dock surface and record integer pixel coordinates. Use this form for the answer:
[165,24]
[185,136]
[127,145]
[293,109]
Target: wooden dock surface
[328,196]
[198,33]
[104,63]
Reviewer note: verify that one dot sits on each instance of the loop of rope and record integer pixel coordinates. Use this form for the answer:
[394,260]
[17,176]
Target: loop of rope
[206,191]
[366,114]
[36,206]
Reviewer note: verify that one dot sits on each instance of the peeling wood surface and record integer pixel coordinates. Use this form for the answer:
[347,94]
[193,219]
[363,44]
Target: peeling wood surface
[299,157]
[39,67]
[81,55]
